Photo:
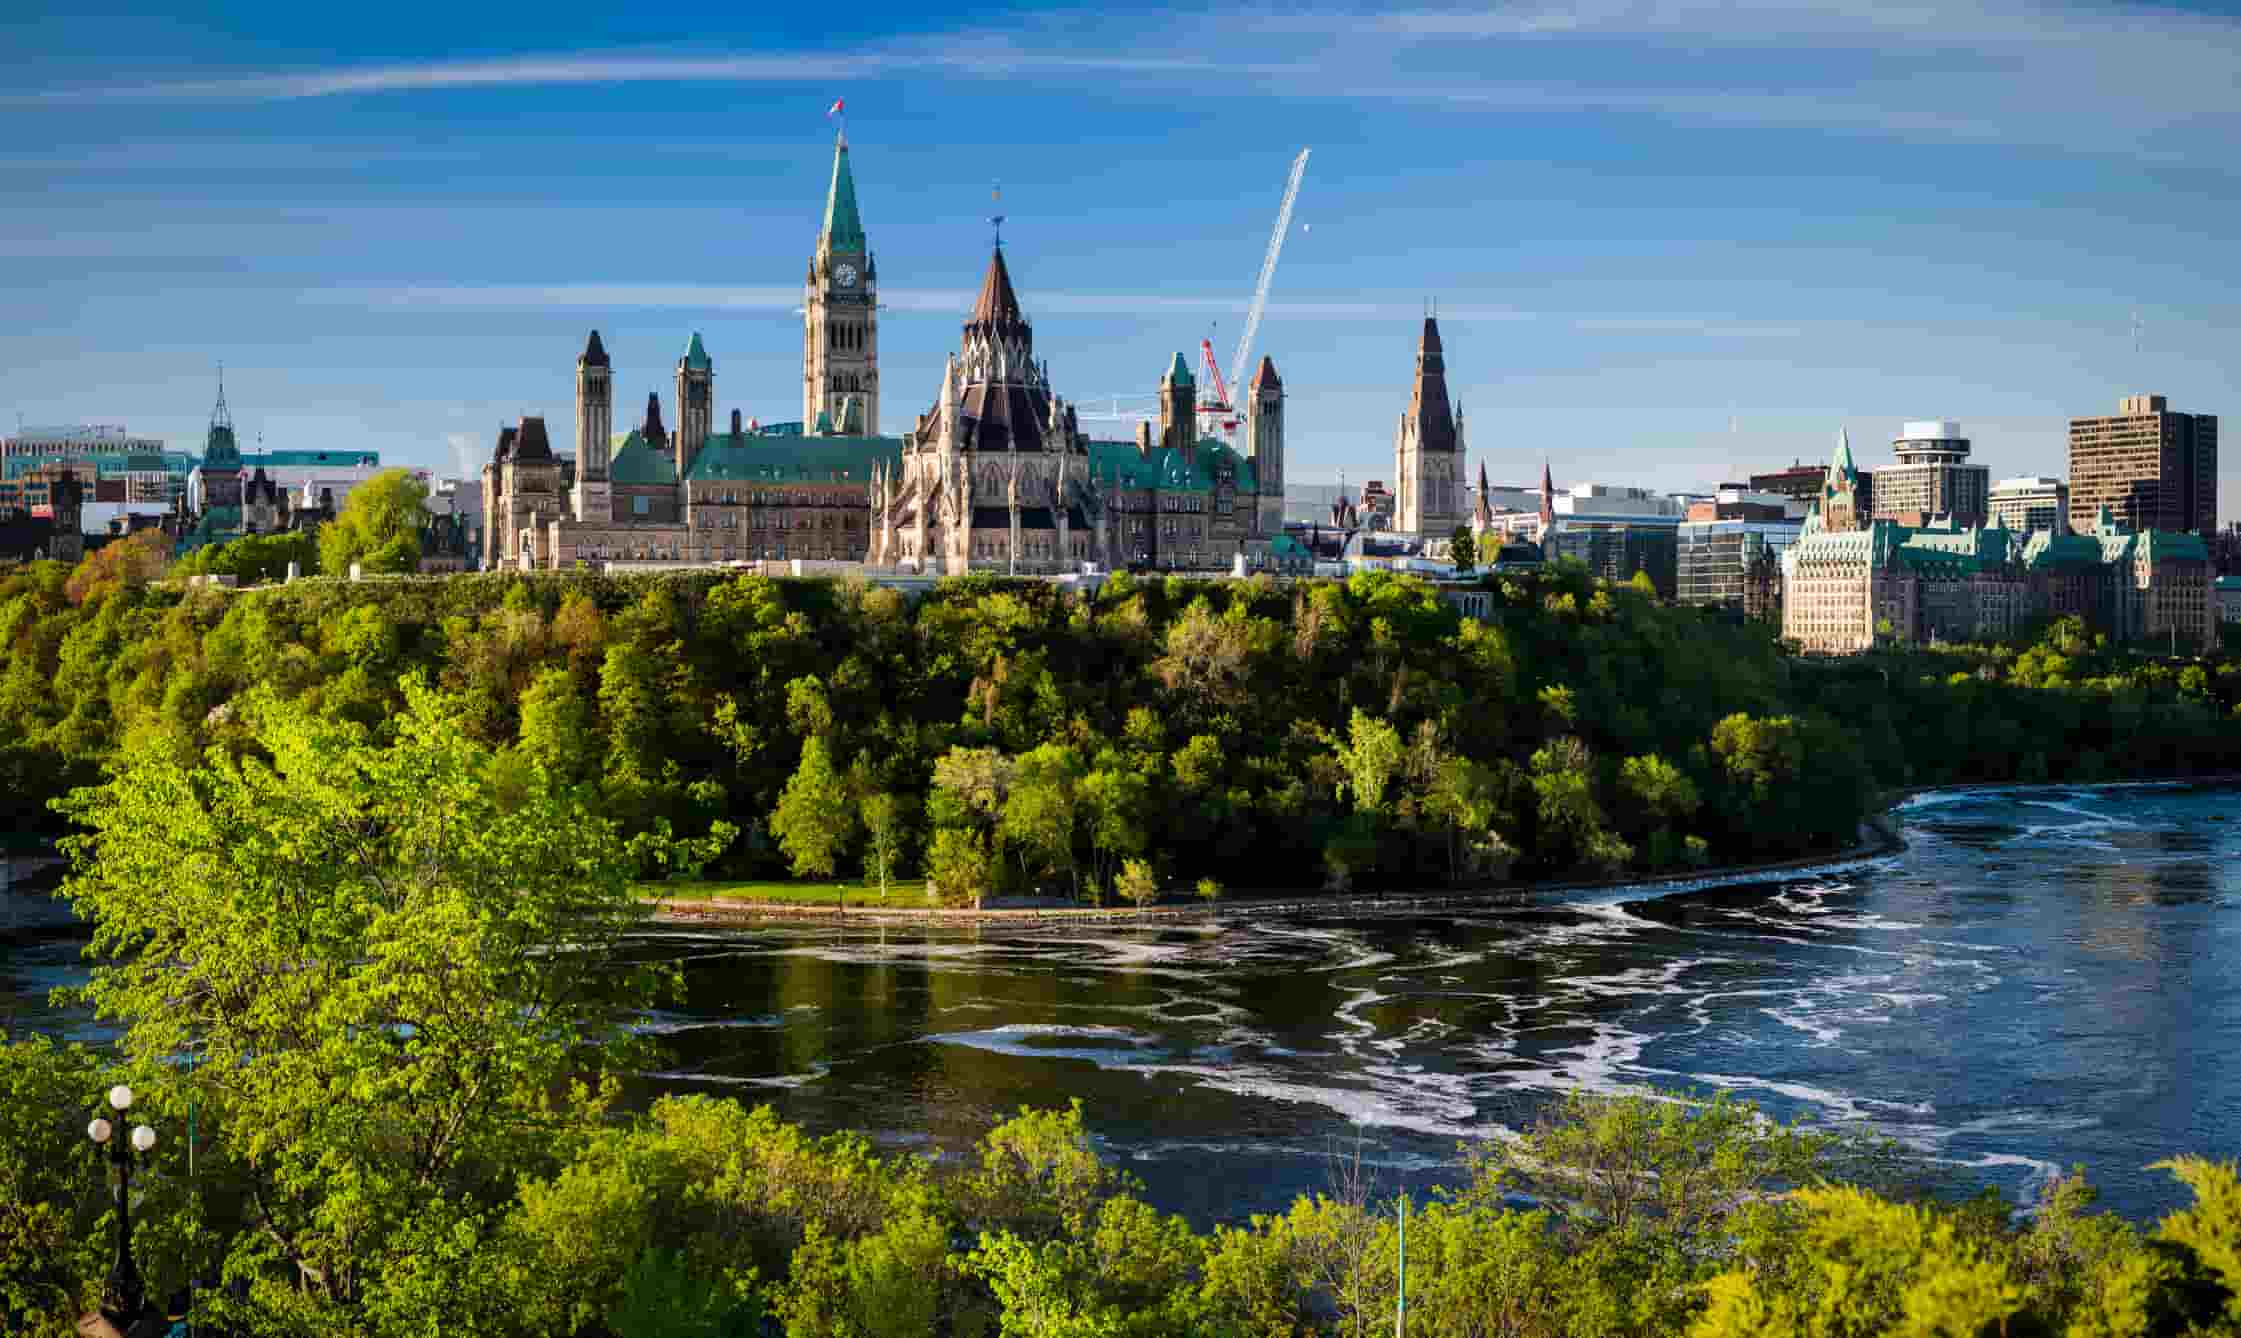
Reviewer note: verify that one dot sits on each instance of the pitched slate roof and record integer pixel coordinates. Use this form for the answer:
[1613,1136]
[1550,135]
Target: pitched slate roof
[595,353]
[696,357]
[1427,400]
[997,306]
[530,443]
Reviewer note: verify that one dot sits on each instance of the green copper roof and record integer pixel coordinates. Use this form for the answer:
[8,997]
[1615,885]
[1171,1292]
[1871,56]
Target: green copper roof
[753,458]
[1118,463]
[1179,371]
[844,230]
[1840,464]
[2046,550]
[1968,550]
[635,461]
[2173,545]
[696,357]
[219,451]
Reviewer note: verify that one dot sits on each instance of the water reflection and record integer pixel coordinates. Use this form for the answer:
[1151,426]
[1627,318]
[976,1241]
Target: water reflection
[2042,978]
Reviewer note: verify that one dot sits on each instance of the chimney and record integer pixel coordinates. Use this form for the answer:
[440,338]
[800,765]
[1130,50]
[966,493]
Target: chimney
[735,422]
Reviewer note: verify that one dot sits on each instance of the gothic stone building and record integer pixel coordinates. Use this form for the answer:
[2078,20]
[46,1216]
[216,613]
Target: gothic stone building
[998,474]
[696,494]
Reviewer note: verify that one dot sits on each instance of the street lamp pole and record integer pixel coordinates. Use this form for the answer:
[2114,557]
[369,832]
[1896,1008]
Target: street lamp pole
[124,1298]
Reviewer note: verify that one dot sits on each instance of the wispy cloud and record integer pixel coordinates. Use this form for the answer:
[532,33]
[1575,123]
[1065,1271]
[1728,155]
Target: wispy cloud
[955,301]
[2143,81]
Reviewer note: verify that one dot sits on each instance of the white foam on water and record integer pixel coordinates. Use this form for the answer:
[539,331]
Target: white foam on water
[673,1025]
[817,1071]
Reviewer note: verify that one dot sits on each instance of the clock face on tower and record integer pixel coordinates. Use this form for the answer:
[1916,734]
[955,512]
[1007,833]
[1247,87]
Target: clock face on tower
[845,276]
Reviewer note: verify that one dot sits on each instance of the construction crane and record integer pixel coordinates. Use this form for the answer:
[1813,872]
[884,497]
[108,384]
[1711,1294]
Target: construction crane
[1221,410]
[1268,275]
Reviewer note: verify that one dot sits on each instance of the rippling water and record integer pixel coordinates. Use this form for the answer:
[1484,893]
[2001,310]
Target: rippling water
[2043,977]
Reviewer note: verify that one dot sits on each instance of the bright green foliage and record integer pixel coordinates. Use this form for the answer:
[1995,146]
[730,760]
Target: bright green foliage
[254,558]
[378,526]
[1371,756]
[349,933]
[814,820]
[2210,1231]
[886,819]
[1211,721]
[959,865]
[1137,883]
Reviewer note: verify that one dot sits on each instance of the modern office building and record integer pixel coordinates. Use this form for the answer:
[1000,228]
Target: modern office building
[1733,564]
[2031,505]
[1933,481]
[2152,468]
[1804,482]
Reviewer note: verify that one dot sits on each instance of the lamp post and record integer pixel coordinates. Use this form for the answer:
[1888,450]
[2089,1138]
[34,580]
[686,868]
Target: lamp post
[124,1299]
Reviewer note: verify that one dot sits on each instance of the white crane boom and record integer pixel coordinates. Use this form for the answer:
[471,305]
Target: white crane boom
[1268,272]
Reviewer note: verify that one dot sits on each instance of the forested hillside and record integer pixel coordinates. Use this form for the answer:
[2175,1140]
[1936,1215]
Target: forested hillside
[1013,734]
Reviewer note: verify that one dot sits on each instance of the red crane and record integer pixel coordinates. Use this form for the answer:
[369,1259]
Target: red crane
[1219,407]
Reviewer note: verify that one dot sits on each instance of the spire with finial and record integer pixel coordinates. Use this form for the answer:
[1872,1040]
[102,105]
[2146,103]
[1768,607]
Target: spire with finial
[219,451]
[844,227]
[1548,497]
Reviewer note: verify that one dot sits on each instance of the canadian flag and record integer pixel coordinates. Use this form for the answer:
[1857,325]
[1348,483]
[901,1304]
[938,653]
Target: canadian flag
[836,108]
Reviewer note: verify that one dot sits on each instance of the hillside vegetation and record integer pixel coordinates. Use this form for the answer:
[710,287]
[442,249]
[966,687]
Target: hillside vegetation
[1006,736]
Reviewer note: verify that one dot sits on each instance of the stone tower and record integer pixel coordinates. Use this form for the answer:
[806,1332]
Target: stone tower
[1264,445]
[1428,450]
[221,456]
[1178,408]
[696,403]
[840,318]
[595,425]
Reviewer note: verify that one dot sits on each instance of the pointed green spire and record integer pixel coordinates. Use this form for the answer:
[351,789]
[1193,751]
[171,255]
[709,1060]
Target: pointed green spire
[1179,371]
[696,357]
[844,229]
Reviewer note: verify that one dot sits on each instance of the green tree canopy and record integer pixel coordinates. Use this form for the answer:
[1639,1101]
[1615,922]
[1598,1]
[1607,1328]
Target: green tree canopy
[378,526]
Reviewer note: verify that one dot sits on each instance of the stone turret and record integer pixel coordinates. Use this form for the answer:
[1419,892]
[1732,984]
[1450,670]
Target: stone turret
[595,429]
[696,394]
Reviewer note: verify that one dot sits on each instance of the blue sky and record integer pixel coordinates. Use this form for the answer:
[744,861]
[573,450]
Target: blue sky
[1671,241]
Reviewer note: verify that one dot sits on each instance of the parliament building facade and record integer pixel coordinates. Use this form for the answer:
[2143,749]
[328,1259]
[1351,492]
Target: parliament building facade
[996,475]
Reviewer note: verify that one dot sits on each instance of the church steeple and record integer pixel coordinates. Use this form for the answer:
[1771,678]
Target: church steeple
[844,229]
[1427,401]
[840,314]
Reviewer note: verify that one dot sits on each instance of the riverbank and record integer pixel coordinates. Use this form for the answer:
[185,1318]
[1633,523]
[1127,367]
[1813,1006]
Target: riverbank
[1878,838]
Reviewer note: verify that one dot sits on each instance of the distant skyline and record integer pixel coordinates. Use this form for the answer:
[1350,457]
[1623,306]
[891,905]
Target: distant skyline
[1672,244]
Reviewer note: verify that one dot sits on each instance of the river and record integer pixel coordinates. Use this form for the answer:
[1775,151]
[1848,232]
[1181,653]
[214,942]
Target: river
[2043,977]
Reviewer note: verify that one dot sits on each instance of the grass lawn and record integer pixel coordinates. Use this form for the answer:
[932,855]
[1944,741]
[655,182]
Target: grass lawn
[910,893]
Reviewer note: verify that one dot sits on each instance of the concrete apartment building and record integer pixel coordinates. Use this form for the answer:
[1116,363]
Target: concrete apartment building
[1933,479]
[2152,468]
[2031,505]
